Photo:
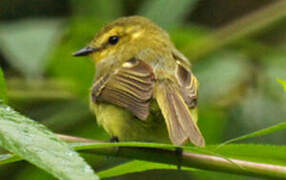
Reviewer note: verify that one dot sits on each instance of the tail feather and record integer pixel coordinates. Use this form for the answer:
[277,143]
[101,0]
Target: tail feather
[180,123]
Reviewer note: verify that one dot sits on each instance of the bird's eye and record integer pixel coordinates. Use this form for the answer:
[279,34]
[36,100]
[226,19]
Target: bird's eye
[113,39]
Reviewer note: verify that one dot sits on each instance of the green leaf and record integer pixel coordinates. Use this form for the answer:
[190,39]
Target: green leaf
[2,89]
[86,146]
[261,153]
[27,44]
[269,154]
[159,11]
[36,144]
[9,158]
[283,83]
[252,152]
[262,132]
[137,166]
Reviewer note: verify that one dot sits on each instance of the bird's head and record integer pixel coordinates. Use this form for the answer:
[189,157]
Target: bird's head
[127,35]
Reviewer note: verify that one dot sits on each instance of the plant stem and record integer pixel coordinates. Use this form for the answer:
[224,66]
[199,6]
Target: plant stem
[39,89]
[189,159]
[68,138]
[238,29]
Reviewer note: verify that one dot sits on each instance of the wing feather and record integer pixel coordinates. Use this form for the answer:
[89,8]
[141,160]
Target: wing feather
[131,87]
[181,126]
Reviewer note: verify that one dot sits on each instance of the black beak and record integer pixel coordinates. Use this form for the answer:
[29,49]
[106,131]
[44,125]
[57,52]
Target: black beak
[84,51]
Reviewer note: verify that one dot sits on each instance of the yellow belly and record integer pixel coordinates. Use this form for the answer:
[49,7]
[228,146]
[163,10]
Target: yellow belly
[120,123]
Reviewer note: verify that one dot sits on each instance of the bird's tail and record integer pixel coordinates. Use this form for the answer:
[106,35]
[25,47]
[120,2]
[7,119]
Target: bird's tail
[180,120]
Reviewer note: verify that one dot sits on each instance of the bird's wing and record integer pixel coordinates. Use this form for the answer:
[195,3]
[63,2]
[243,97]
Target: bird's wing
[187,82]
[188,85]
[177,101]
[131,87]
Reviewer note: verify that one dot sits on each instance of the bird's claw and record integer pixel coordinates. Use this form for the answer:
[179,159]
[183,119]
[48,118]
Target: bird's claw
[179,154]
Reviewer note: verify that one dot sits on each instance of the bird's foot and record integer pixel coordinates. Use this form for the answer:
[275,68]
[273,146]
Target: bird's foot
[179,154]
[114,139]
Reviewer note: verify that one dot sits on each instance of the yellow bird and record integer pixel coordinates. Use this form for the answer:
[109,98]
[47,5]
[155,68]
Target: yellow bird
[144,89]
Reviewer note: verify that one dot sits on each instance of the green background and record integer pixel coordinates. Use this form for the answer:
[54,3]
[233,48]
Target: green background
[237,48]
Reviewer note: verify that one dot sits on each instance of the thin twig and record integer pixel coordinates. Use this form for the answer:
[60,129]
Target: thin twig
[77,139]
[189,159]
[238,29]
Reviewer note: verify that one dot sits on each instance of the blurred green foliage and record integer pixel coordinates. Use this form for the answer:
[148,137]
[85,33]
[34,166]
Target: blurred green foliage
[236,61]
[2,88]
[32,43]
[160,9]
[283,83]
